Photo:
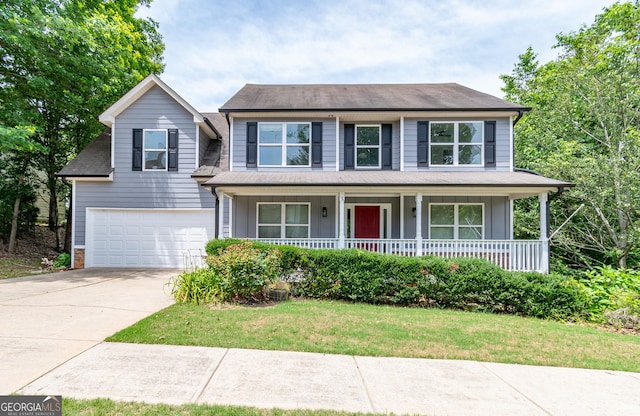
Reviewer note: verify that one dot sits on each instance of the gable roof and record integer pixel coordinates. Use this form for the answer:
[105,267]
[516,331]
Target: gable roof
[93,161]
[216,156]
[365,97]
[109,115]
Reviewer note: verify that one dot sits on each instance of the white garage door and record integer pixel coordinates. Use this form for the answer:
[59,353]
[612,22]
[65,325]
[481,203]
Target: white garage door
[146,238]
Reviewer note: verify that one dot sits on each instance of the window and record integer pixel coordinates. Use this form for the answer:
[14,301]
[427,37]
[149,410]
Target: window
[284,144]
[367,146]
[283,220]
[456,143]
[155,149]
[456,221]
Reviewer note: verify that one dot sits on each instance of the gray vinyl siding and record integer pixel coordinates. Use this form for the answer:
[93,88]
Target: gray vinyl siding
[496,214]
[129,189]
[245,217]
[239,156]
[395,138]
[503,145]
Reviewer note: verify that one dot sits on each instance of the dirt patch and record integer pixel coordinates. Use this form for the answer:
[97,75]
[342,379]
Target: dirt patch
[31,247]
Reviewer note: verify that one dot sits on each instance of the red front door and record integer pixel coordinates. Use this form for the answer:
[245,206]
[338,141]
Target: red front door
[367,221]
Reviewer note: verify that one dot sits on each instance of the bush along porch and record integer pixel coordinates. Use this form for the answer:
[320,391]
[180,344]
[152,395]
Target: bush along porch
[363,276]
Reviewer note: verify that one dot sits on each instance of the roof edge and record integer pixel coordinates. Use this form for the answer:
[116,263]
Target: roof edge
[108,116]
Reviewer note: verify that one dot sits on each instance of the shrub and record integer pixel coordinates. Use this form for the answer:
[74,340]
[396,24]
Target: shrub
[63,260]
[610,290]
[363,276]
[198,286]
[244,269]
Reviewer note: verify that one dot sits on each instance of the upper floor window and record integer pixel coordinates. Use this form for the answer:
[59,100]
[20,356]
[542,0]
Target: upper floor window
[368,146]
[155,149]
[284,144]
[456,143]
[456,221]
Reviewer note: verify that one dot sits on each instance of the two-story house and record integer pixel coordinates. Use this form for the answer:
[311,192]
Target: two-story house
[397,168]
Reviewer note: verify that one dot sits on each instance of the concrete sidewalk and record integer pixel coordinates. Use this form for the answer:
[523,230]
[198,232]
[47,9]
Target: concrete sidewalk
[290,380]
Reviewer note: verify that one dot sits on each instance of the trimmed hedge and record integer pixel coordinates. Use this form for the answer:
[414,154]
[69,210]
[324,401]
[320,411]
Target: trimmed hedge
[460,283]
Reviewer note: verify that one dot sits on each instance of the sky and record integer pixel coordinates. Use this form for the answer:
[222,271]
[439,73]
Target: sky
[215,47]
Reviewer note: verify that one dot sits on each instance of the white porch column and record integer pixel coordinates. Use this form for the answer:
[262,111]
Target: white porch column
[418,224]
[401,216]
[544,233]
[341,220]
[221,215]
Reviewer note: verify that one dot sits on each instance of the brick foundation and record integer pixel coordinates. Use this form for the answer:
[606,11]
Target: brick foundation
[78,258]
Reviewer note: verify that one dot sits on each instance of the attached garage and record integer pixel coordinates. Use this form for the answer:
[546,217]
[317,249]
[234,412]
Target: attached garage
[146,237]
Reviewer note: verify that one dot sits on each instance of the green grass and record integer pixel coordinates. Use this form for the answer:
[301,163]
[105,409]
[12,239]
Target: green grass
[18,267]
[110,407]
[360,329]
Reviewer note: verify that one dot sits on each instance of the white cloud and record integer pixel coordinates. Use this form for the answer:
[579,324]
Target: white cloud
[215,47]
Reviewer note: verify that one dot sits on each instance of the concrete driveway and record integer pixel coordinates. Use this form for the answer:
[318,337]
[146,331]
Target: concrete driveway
[46,320]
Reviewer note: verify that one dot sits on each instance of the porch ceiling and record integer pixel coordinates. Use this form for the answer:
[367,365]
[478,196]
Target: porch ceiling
[512,184]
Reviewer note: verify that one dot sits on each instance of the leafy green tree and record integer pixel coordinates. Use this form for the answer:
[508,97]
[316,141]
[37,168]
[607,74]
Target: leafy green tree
[585,128]
[62,62]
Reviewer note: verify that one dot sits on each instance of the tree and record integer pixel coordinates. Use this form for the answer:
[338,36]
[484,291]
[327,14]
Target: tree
[62,62]
[585,128]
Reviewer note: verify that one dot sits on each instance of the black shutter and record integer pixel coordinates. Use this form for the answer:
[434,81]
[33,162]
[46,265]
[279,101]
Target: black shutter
[252,144]
[349,146]
[490,143]
[316,144]
[423,143]
[387,147]
[173,150]
[136,163]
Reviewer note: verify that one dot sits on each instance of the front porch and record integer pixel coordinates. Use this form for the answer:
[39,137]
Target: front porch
[512,255]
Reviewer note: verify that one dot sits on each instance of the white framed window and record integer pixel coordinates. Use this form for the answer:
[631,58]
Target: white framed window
[456,221]
[368,138]
[154,146]
[284,144]
[283,220]
[456,143]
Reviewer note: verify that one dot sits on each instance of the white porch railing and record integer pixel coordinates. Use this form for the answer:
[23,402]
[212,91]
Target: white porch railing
[515,255]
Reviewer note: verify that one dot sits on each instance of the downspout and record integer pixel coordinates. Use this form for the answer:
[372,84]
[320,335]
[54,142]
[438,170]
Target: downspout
[217,225]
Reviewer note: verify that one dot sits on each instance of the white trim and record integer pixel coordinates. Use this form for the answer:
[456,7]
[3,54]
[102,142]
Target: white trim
[283,219]
[419,225]
[231,144]
[113,145]
[544,232]
[456,220]
[401,143]
[197,161]
[388,206]
[341,219]
[109,115]
[230,217]
[456,143]
[145,150]
[337,212]
[401,216]
[284,145]
[221,215]
[511,143]
[337,144]
[74,195]
[379,147]
[91,178]
[511,219]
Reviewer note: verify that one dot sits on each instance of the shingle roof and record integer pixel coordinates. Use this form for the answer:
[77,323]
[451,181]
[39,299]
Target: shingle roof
[374,97]
[93,161]
[216,156]
[385,178]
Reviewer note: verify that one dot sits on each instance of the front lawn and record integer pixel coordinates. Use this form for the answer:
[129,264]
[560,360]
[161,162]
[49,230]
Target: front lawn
[110,407]
[361,329]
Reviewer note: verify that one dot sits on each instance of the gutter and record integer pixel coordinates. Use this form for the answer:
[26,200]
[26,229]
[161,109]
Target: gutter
[208,123]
